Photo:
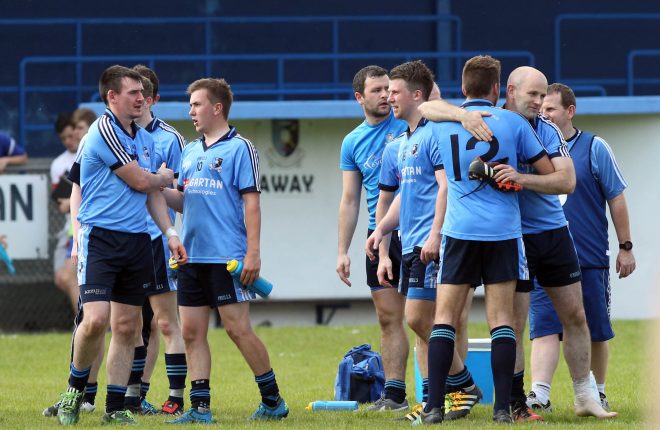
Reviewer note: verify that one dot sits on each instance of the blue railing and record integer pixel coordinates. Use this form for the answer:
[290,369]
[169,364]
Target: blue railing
[280,88]
[630,70]
[597,83]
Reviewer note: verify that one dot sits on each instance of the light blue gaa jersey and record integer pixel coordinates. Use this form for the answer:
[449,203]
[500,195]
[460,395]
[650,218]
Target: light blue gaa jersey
[213,179]
[418,159]
[485,214]
[108,201]
[168,144]
[362,150]
[542,212]
[390,178]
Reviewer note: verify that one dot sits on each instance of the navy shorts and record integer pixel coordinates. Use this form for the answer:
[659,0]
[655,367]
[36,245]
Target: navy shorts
[481,262]
[202,284]
[418,280]
[551,258]
[395,256]
[165,277]
[543,320]
[114,266]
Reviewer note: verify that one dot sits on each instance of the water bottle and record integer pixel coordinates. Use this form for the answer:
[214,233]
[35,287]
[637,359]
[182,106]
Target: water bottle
[5,258]
[332,405]
[261,286]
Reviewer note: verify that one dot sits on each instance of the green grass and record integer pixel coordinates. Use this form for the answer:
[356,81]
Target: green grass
[33,370]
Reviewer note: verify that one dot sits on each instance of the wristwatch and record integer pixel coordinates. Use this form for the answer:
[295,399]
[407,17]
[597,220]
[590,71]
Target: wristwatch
[627,245]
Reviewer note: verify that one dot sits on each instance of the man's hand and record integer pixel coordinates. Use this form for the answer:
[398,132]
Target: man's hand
[251,268]
[178,251]
[625,263]
[373,241]
[505,173]
[344,268]
[74,252]
[430,250]
[167,176]
[473,122]
[385,274]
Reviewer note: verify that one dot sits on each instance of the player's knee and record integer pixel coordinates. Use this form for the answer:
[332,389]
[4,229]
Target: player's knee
[94,325]
[237,330]
[167,326]
[420,324]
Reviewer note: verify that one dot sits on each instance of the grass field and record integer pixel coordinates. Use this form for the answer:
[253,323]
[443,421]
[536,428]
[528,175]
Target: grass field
[33,370]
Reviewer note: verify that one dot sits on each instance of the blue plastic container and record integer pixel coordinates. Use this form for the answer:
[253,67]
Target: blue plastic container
[332,405]
[261,286]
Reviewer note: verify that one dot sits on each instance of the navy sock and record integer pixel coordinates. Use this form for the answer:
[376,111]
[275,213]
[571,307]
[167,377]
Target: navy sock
[144,389]
[114,400]
[441,354]
[518,387]
[270,392]
[425,390]
[200,394]
[462,379]
[78,377]
[177,369]
[90,392]
[395,390]
[139,360]
[503,361]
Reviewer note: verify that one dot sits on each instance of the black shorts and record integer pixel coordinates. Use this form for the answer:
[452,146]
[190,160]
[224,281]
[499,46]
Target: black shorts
[114,266]
[165,277]
[395,256]
[480,262]
[551,258]
[418,280]
[202,284]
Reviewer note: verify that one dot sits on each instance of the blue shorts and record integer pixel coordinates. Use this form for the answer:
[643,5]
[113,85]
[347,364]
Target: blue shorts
[481,262]
[543,320]
[202,284]
[418,280]
[395,256]
[113,265]
[165,277]
[551,258]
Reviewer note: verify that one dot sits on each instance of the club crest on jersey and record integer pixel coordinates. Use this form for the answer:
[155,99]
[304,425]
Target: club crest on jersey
[389,137]
[216,164]
[414,150]
[145,152]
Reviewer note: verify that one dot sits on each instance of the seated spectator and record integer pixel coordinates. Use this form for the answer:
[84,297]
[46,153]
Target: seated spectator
[10,152]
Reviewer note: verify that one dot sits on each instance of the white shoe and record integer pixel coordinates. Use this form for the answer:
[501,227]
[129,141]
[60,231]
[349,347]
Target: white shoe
[87,407]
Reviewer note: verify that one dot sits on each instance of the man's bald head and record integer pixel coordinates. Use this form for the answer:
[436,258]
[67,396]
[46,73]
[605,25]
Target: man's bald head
[525,90]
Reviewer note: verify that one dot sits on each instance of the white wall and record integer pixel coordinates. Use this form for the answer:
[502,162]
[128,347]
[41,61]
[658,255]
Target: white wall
[635,140]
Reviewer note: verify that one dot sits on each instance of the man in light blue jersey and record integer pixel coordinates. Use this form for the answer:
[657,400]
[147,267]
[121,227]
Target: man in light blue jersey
[360,162]
[482,237]
[420,209]
[161,308]
[218,194]
[551,254]
[599,181]
[114,171]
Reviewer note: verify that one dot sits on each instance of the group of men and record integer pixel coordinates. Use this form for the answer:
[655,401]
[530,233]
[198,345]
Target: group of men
[129,167]
[477,203]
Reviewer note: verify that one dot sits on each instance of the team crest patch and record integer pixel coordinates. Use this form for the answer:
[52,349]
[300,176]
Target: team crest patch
[216,164]
[285,151]
[145,152]
[389,137]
